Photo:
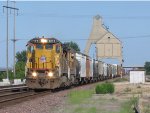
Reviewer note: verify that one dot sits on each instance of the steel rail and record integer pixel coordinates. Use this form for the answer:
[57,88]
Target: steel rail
[8,99]
[13,88]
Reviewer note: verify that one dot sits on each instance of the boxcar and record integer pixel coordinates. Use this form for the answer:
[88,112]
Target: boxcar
[114,70]
[105,66]
[91,68]
[100,70]
[95,70]
[109,68]
[82,60]
[119,72]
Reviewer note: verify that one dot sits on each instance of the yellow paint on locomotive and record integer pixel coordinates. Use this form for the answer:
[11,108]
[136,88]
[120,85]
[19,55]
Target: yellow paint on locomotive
[42,58]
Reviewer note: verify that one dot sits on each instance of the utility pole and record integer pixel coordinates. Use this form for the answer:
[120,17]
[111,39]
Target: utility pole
[7,42]
[11,8]
[14,40]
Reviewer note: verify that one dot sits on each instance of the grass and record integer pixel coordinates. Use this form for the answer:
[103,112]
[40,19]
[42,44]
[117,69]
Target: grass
[127,107]
[85,110]
[120,79]
[83,101]
[113,99]
[138,86]
[146,108]
[127,89]
[78,96]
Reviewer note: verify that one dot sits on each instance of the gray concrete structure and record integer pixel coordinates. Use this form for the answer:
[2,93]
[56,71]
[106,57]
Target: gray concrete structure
[107,45]
[98,31]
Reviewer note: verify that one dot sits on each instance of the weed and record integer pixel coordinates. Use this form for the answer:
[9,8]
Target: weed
[138,86]
[127,89]
[113,99]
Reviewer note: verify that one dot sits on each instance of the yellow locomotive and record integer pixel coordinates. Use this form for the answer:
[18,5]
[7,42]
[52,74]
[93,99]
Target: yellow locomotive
[49,64]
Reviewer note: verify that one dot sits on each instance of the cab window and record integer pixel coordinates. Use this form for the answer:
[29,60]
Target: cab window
[57,49]
[30,48]
[39,46]
[49,46]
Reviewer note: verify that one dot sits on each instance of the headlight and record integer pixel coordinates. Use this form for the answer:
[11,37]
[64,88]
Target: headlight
[34,74]
[50,74]
[43,40]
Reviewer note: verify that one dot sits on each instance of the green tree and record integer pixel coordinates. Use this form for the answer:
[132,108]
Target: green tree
[73,45]
[20,64]
[21,56]
[20,70]
[147,68]
[3,75]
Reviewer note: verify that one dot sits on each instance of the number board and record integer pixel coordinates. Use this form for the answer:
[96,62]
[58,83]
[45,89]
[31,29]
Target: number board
[52,41]
[36,41]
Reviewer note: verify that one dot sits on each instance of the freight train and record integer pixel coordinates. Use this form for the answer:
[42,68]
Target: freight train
[52,64]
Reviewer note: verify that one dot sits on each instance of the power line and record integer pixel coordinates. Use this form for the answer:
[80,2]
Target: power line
[53,15]
[129,37]
[82,39]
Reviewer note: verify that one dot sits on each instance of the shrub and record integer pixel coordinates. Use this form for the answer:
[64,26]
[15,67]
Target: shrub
[105,88]
[97,89]
[110,88]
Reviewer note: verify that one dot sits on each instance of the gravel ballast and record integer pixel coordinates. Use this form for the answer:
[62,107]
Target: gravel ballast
[51,103]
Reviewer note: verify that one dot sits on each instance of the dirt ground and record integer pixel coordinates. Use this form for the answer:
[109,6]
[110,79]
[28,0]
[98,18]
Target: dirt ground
[142,91]
[119,102]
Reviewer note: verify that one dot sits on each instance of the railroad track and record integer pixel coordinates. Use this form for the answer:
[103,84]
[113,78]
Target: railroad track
[13,88]
[9,97]
[13,96]
[9,86]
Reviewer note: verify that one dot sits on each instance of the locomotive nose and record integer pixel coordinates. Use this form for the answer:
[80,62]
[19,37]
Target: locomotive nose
[42,82]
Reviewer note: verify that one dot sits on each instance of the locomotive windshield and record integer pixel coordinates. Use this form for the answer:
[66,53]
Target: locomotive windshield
[49,46]
[39,46]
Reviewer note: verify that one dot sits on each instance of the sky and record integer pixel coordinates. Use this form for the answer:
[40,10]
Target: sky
[128,21]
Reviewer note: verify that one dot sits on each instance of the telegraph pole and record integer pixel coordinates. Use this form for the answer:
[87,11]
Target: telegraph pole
[11,8]
[14,40]
[7,41]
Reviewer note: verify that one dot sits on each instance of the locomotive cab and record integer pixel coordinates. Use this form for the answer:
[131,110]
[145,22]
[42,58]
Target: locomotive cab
[43,61]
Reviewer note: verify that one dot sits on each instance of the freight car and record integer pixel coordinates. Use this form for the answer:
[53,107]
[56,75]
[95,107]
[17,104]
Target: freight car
[51,64]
